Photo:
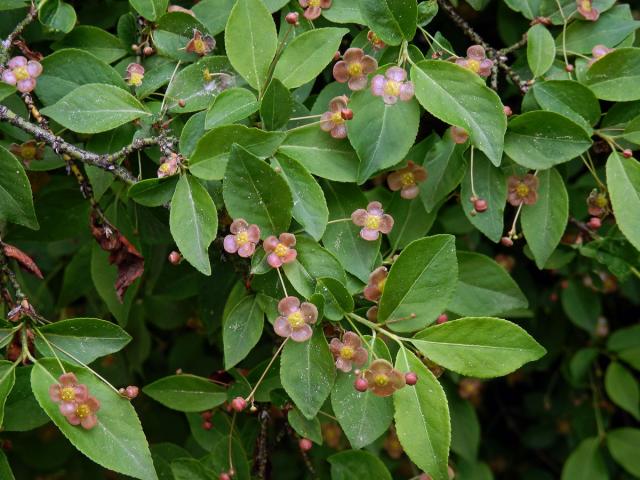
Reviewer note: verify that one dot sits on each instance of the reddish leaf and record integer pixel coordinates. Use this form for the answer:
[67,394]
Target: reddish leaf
[24,260]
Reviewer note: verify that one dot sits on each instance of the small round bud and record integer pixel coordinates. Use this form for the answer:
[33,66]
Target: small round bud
[346,114]
[253,409]
[480,205]
[175,258]
[337,55]
[181,103]
[442,318]
[132,392]
[207,425]
[238,404]
[473,198]
[627,153]
[292,18]
[224,476]
[148,51]
[411,378]
[568,67]
[206,416]
[135,47]
[277,170]
[506,241]
[361,385]
[553,297]
[305,444]
[357,372]
[594,223]
[507,110]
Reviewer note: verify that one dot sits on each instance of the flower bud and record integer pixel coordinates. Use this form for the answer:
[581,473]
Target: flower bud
[305,444]
[346,114]
[594,223]
[568,68]
[507,110]
[411,378]
[292,18]
[224,476]
[627,153]
[361,385]
[337,56]
[181,103]
[131,392]
[148,51]
[480,205]
[206,416]
[175,258]
[207,425]
[506,241]
[238,404]
[442,318]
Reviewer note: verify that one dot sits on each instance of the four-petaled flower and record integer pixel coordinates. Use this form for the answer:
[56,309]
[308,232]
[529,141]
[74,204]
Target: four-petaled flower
[68,392]
[85,413]
[377,279]
[28,151]
[598,52]
[22,73]
[169,165]
[243,238]
[597,203]
[348,352]
[313,8]
[476,61]
[354,68]
[373,220]
[200,44]
[280,249]
[406,180]
[522,190]
[135,74]
[295,319]
[459,135]
[383,379]
[585,8]
[392,86]
[333,120]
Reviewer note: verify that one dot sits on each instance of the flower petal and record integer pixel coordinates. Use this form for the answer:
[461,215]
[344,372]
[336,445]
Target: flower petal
[353,55]
[372,293]
[369,235]
[312,13]
[326,121]
[270,243]
[25,86]
[369,64]
[68,379]
[309,312]
[341,71]
[89,422]
[394,181]
[274,260]
[343,364]
[253,233]
[229,244]
[406,91]
[360,356]
[288,305]
[282,327]
[377,85]
[352,340]
[335,346]
[410,192]
[476,52]
[390,99]
[9,77]
[18,61]
[337,104]
[325,3]
[67,408]
[290,256]
[396,73]
[374,208]
[246,250]
[302,334]
[339,131]
[54,393]
[386,223]
[238,225]
[358,83]
[359,217]
[288,239]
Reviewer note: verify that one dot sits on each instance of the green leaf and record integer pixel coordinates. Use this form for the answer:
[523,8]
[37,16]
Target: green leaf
[459,97]
[426,269]
[626,343]
[5,468]
[381,134]
[6,90]
[632,131]
[276,105]
[615,76]
[95,108]
[540,139]
[230,106]
[57,15]
[569,98]
[344,11]
[480,347]
[422,418]
[352,464]
[213,14]
[411,221]
[304,427]
[193,220]
[218,459]
[171,34]
[150,9]
[585,462]
[306,56]
[337,299]
[209,160]
[623,446]
[190,469]
[491,185]
[623,389]
[581,306]
[321,154]
[241,330]
[21,410]
[102,44]
[16,202]
[465,428]
[253,191]
[541,50]
[186,393]
[307,373]
[117,442]
[343,238]
[84,339]
[309,205]
[392,20]
[544,222]
[251,41]
[484,288]
[7,380]
[623,181]
[154,192]
[445,165]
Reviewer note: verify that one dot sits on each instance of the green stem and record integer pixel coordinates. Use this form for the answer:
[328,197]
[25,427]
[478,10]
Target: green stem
[264,374]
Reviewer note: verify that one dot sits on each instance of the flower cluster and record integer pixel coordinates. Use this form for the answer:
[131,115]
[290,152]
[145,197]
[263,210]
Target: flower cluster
[373,221]
[22,73]
[392,86]
[406,180]
[476,61]
[522,190]
[295,319]
[78,407]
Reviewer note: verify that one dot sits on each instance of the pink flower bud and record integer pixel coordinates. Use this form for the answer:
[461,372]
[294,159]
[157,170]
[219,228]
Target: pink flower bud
[238,404]
[442,318]
[175,258]
[305,444]
[292,18]
[480,205]
[207,425]
[594,223]
[411,378]
[361,385]
[627,153]
[506,241]
[132,391]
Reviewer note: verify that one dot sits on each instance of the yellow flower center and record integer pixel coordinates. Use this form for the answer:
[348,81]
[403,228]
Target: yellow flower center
[281,250]
[408,179]
[347,352]
[381,380]
[355,69]
[392,88]
[67,394]
[28,152]
[601,201]
[586,5]
[296,320]
[372,222]
[207,75]
[314,3]
[381,284]
[135,79]
[522,190]
[473,65]
[242,238]
[165,168]
[83,411]
[21,73]
[199,46]
[337,118]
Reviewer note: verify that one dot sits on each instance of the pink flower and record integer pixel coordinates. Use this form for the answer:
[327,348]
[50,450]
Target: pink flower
[243,238]
[333,120]
[280,250]
[377,280]
[459,135]
[85,413]
[200,44]
[135,74]
[22,73]
[348,352]
[169,166]
[392,85]
[476,61]
[313,8]
[597,203]
[383,379]
[373,220]
[295,318]
[585,8]
[598,52]
[354,68]
[68,392]
[522,190]
[406,180]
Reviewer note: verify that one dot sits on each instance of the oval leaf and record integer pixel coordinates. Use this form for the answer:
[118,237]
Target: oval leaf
[241,330]
[186,393]
[392,20]
[623,180]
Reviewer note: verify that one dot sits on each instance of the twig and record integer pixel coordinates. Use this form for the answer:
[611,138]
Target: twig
[5,46]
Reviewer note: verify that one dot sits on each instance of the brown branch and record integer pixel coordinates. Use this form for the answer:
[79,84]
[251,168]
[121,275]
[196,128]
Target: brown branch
[5,46]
